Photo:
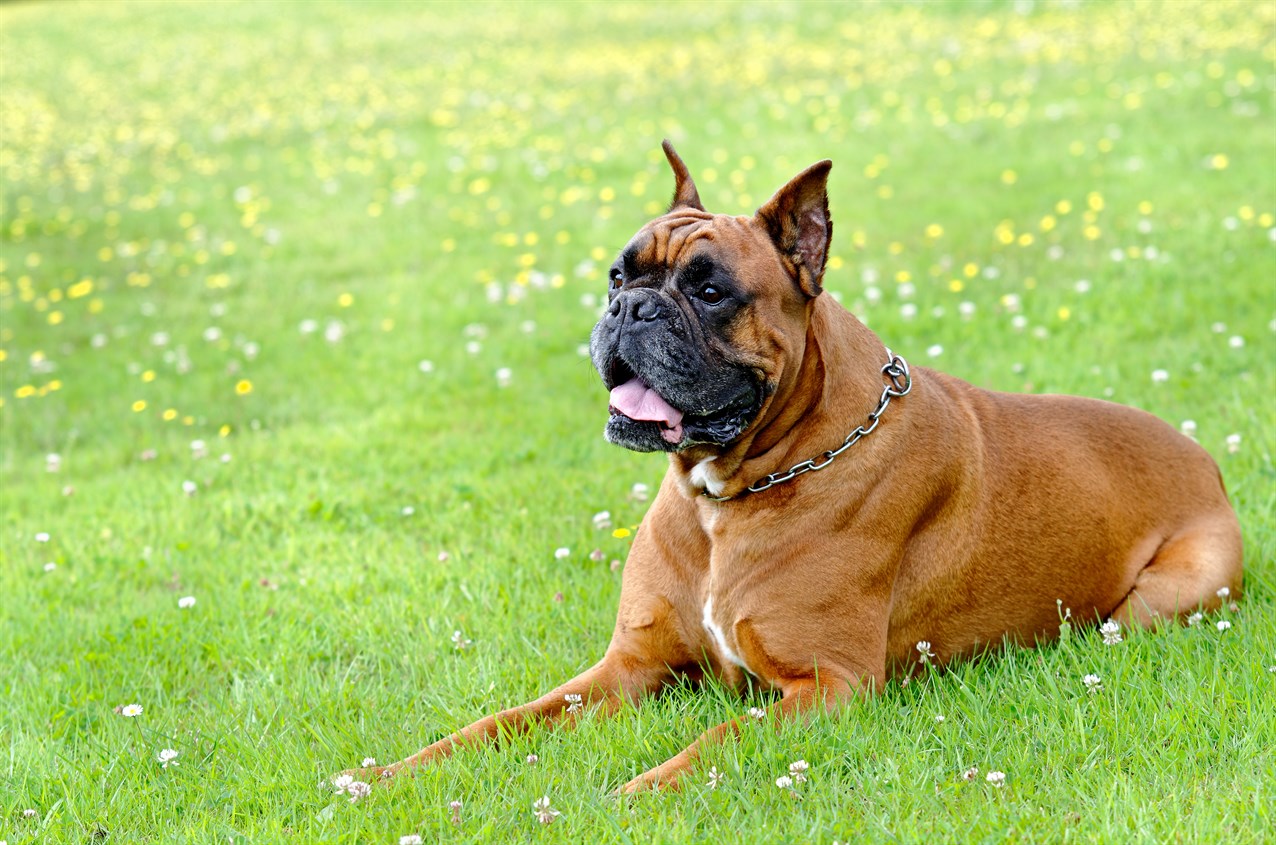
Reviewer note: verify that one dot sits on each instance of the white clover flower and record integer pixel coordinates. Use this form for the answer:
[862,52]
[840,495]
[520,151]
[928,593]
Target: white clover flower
[425,366]
[638,492]
[532,759]
[42,537]
[407,510]
[29,813]
[50,566]
[924,654]
[573,702]
[455,807]
[715,778]
[1093,683]
[410,839]
[935,351]
[1223,592]
[189,487]
[996,778]
[784,782]
[459,642]
[368,761]
[1188,427]
[1222,625]
[1233,443]
[185,602]
[52,462]
[562,552]
[797,771]
[199,449]
[757,713]
[1195,619]
[1159,376]
[167,757]
[939,717]
[358,789]
[970,774]
[1111,631]
[131,710]
[1236,341]
[544,813]
[504,376]
[602,520]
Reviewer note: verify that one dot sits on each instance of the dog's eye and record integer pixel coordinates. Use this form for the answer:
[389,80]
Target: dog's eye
[617,279]
[710,294]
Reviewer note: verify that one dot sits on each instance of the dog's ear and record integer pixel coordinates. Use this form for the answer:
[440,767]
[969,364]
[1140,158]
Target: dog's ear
[684,193]
[798,220]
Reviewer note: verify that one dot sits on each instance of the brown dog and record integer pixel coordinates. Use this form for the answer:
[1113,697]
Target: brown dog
[945,519]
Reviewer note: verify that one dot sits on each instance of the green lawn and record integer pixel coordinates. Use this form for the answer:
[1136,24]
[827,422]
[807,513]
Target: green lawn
[354,249]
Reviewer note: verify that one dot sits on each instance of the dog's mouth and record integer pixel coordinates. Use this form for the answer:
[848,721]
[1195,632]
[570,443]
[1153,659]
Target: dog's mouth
[632,399]
[635,400]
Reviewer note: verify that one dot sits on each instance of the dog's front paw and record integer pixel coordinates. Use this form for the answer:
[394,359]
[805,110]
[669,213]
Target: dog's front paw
[661,777]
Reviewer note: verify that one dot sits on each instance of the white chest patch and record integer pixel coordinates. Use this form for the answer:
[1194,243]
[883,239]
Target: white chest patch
[702,475]
[719,638]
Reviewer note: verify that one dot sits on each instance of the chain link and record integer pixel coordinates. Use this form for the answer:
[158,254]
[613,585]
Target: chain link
[900,383]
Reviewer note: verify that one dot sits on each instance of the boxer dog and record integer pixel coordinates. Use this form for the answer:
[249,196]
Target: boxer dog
[831,517]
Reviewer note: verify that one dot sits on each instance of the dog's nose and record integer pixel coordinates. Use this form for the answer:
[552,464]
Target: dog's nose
[646,309]
[640,305]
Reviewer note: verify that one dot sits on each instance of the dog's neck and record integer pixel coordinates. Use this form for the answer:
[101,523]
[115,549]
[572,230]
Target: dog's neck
[841,382]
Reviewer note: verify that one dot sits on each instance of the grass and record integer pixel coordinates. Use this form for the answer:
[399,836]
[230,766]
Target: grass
[184,186]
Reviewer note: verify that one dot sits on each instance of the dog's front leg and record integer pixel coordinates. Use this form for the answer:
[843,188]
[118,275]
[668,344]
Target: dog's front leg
[804,695]
[606,684]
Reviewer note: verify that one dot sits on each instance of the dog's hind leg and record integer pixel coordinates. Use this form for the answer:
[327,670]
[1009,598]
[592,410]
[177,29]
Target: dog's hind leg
[1187,573]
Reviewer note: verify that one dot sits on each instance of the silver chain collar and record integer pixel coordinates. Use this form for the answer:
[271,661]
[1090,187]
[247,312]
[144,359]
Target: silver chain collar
[900,382]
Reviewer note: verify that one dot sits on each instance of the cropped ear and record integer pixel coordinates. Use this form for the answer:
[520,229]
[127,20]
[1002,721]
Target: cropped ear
[684,194]
[798,220]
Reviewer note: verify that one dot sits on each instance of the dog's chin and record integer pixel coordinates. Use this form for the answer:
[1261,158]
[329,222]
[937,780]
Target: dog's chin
[639,435]
[718,429]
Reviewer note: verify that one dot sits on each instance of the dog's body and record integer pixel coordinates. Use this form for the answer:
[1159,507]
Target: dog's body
[961,518]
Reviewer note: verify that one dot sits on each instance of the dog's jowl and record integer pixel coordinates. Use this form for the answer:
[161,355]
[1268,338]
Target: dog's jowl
[940,513]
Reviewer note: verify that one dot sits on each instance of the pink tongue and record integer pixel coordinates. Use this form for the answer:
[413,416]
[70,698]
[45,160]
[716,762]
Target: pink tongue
[637,401]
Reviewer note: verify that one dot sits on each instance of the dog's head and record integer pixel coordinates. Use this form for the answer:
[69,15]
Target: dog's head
[707,312]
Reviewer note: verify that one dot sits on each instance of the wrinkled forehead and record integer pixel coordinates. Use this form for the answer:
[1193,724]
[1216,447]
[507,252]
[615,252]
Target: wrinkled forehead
[680,235]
